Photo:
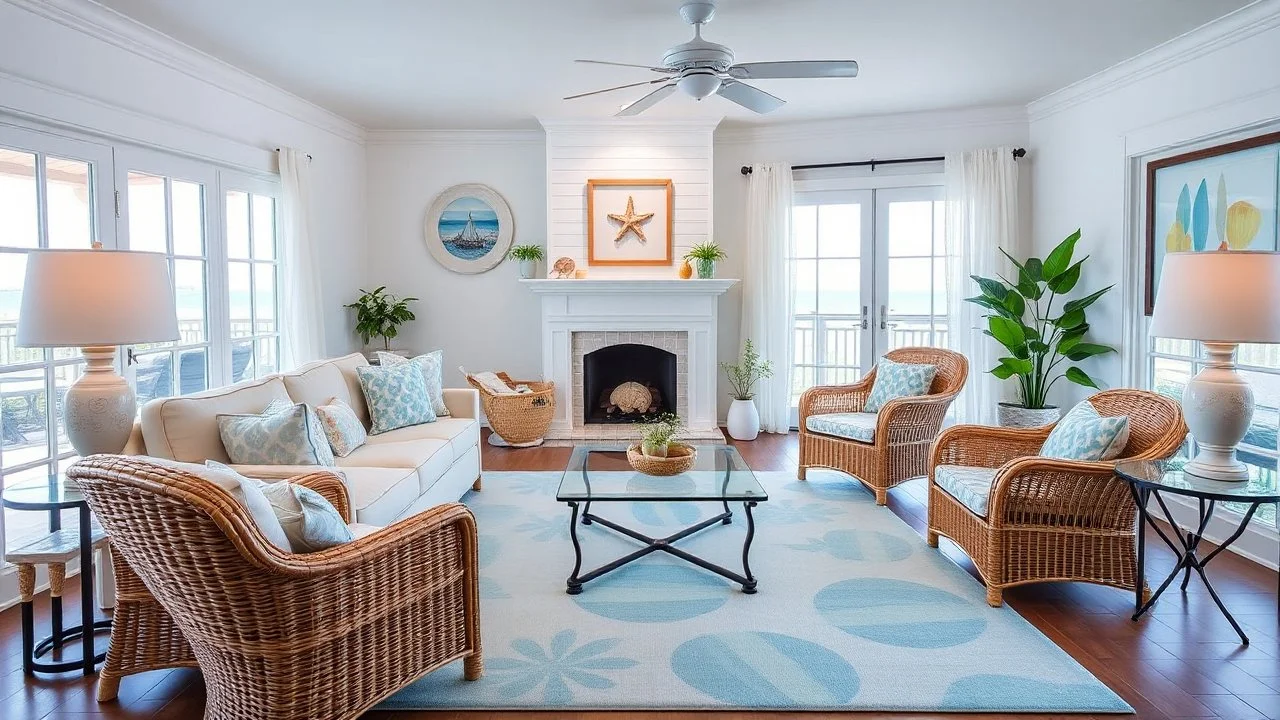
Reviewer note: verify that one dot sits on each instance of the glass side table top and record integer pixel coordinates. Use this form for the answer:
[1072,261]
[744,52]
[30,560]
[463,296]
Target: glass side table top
[1168,476]
[50,494]
[602,473]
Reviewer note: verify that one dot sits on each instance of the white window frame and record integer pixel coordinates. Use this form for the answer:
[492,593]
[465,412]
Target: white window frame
[230,181]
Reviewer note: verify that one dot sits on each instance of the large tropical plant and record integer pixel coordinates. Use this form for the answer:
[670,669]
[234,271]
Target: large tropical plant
[1023,320]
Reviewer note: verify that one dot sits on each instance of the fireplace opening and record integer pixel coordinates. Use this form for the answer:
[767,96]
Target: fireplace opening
[608,398]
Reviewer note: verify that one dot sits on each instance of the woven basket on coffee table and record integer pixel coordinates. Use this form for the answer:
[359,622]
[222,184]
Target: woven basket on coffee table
[520,419]
[679,459]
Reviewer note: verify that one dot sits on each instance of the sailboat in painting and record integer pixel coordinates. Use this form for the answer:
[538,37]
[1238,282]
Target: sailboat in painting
[469,237]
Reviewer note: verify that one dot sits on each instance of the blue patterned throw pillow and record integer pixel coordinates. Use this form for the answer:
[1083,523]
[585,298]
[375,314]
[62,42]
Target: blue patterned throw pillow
[432,372]
[396,395]
[1083,434]
[898,380]
[283,434]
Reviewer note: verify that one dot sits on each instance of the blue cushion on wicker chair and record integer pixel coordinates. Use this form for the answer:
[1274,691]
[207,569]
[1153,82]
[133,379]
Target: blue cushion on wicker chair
[851,426]
[1083,434]
[898,380]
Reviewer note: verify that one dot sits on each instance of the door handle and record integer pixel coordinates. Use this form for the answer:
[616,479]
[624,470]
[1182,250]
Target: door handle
[864,317]
[883,318]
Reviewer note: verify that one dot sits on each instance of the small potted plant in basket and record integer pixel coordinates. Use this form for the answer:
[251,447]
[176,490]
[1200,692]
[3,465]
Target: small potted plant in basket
[528,256]
[744,418]
[380,314]
[705,256]
[657,453]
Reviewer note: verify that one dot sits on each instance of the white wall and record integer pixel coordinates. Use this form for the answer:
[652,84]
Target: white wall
[78,66]
[486,321]
[1090,140]
[884,137]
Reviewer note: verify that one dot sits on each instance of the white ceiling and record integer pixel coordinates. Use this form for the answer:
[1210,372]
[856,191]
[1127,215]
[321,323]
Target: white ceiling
[392,64]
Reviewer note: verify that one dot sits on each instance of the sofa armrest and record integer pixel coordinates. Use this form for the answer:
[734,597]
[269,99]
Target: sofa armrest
[462,402]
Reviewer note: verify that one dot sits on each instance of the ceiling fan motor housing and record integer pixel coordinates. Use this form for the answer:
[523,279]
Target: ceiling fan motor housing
[701,64]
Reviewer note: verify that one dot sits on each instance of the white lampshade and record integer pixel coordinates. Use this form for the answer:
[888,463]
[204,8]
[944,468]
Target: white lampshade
[80,298]
[1220,296]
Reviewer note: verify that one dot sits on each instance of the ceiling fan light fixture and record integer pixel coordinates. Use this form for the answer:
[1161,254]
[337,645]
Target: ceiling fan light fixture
[699,85]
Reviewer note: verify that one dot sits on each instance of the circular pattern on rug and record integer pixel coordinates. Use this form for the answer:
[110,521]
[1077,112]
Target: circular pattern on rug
[764,669]
[860,545]
[653,594]
[900,613]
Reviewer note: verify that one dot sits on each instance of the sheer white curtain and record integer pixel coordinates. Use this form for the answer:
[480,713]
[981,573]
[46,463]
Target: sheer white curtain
[766,289]
[982,218]
[301,321]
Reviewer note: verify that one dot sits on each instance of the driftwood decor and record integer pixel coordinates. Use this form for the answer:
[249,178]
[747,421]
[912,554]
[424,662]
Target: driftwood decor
[629,222]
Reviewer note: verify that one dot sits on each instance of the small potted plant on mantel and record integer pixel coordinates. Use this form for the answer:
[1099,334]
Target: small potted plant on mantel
[380,314]
[744,417]
[1023,320]
[528,256]
[705,256]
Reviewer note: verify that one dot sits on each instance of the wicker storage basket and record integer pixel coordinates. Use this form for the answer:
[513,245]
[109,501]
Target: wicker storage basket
[520,419]
[679,458]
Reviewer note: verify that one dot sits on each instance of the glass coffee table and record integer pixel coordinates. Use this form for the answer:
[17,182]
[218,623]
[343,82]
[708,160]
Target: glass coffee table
[601,474]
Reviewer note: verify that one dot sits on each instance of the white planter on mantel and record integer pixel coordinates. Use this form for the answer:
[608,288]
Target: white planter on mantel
[744,420]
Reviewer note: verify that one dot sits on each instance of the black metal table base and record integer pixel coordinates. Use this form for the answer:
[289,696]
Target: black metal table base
[1186,550]
[59,639]
[664,544]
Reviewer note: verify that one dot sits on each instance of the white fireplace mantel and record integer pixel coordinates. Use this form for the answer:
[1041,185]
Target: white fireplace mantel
[689,307]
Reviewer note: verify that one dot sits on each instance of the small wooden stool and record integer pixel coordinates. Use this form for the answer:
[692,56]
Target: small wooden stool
[55,550]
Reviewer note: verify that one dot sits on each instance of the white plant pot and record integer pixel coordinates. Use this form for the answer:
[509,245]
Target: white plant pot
[1016,416]
[744,420]
[528,269]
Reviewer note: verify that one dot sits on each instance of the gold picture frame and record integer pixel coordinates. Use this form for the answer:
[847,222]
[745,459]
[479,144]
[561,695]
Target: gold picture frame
[622,231]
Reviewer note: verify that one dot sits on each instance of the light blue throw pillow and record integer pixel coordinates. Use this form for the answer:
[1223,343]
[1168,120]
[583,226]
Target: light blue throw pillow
[283,434]
[898,380]
[1083,434]
[310,522]
[432,372]
[396,395]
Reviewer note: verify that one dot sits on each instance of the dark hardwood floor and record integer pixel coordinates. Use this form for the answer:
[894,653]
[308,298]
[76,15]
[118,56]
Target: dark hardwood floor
[1181,660]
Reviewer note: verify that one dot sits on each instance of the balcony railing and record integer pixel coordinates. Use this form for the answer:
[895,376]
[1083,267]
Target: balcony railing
[828,348]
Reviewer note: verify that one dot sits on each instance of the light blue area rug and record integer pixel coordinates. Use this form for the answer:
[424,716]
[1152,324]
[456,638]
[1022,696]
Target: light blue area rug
[854,612]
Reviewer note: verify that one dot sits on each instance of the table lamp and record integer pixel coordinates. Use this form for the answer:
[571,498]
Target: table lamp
[1221,298]
[97,300]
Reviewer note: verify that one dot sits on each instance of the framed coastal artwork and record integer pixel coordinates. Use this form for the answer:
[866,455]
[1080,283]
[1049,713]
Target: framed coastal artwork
[629,222]
[1221,198]
[469,228]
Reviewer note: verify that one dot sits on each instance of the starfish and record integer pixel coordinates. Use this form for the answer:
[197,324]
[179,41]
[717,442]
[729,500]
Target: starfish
[630,221]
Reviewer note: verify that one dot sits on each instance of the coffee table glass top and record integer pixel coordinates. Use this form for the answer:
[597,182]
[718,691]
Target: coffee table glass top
[601,472]
[1169,476]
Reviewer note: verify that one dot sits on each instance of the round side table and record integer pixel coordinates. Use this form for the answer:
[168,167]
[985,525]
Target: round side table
[53,496]
[1147,479]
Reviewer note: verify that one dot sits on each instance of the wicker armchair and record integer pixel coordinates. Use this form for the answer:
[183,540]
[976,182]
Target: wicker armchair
[905,427]
[279,635]
[1051,520]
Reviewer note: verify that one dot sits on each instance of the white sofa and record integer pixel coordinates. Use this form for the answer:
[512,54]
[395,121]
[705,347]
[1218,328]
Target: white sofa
[395,474]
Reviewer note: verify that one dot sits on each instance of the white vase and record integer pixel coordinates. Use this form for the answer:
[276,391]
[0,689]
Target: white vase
[528,269]
[1016,416]
[744,420]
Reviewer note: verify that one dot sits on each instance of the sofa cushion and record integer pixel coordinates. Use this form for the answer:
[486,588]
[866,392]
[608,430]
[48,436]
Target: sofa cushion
[396,395]
[359,530]
[429,457]
[432,365]
[851,426]
[379,496]
[315,383]
[970,485]
[186,428]
[462,433]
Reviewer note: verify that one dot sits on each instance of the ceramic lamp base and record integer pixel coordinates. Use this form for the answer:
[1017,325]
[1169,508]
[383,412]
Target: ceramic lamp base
[1218,405]
[99,407]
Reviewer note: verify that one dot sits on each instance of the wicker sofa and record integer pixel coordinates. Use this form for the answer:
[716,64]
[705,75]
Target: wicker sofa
[277,635]
[1042,519]
[394,475]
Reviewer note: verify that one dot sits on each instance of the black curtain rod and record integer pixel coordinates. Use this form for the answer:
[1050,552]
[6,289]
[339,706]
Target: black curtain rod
[308,154]
[746,169]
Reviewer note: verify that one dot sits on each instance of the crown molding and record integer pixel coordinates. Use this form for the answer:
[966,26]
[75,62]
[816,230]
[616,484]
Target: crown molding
[111,27]
[1229,29]
[900,122]
[454,137]
[615,123]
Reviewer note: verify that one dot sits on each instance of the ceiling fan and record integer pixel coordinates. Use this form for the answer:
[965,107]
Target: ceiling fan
[702,68]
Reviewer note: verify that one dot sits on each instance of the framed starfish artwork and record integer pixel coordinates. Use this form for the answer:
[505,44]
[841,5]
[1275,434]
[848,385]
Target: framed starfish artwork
[629,222]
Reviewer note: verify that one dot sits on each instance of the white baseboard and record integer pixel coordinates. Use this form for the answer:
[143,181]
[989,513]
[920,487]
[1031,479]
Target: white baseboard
[1259,543]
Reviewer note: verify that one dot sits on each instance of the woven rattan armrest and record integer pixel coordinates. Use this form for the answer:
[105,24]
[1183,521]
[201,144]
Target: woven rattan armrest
[985,446]
[825,399]
[1050,491]
[912,419]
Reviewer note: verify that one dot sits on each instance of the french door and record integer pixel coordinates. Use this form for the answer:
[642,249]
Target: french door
[870,276]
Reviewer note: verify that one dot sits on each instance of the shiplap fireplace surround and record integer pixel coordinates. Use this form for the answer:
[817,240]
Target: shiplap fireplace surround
[637,305]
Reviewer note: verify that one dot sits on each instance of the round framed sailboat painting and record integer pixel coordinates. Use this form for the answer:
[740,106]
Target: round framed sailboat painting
[469,228]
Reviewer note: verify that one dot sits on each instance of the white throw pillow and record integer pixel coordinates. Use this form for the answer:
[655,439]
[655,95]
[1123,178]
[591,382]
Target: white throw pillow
[432,365]
[246,491]
[310,522]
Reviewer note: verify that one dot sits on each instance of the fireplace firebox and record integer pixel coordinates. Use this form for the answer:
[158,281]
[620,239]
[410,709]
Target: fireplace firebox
[604,370]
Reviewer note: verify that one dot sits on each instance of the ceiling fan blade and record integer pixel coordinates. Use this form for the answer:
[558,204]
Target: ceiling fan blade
[647,101]
[630,65]
[751,98]
[795,69]
[620,87]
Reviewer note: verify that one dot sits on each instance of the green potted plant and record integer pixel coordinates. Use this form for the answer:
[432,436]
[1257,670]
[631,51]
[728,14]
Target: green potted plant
[744,417]
[528,256]
[380,314]
[658,453]
[1039,337]
[657,435]
[705,256]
